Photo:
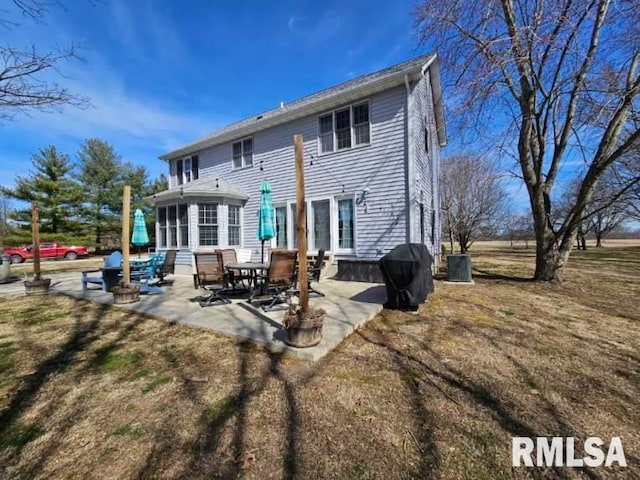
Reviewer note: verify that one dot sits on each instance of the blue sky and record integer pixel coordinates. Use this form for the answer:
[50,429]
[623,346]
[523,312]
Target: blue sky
[161,73]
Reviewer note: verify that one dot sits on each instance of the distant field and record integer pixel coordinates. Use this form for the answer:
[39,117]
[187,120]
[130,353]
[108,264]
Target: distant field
[499,244]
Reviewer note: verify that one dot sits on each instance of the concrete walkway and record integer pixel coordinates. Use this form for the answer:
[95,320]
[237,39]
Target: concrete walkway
[349,305]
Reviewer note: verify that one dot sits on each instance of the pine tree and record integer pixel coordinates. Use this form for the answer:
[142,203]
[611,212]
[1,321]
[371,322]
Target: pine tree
[52,185]
[100,172]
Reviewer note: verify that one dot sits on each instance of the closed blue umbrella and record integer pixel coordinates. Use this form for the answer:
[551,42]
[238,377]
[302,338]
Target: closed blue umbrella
[266,221]
[140,236]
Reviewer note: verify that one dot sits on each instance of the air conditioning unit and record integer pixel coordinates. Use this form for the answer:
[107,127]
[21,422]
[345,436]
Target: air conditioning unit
[459,268]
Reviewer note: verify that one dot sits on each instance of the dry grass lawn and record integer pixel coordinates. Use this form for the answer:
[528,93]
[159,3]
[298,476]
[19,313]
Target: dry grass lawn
[89,391]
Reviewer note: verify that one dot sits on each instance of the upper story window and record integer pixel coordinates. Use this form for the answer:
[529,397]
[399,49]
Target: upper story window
[344,128]
[187,169]
[243,153]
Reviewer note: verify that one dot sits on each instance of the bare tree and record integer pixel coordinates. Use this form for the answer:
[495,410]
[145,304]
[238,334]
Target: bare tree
[608,207]
[25,82]
[558,80]
[473,198]
[518,227]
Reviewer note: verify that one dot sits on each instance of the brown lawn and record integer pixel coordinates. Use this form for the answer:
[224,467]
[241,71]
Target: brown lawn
[89,391]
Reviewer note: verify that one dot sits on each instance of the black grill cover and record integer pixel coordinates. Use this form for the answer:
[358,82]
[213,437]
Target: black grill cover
[407,274]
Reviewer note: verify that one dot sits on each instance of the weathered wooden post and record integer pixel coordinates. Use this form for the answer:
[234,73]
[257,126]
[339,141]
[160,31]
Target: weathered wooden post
[303,325]
[302,224]
[126,293]
[126,210]
[37,285]
[35,238]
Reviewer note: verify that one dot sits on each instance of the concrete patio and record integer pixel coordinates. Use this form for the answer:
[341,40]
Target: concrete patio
[349,305]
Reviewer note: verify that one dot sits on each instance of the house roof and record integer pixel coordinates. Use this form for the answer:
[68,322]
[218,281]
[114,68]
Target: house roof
[325,100]
[206,186]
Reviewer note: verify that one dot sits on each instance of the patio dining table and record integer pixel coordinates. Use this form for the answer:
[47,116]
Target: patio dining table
[253,268]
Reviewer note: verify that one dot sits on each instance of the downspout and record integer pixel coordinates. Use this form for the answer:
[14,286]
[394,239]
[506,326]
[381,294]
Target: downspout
[410,163]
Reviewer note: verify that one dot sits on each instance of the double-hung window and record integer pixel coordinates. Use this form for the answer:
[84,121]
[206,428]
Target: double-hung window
[242,153]
[234,225]
[208,224]
[326,133]
[187,169]
[344,128]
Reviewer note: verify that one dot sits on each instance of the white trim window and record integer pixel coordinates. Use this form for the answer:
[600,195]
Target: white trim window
[234,225]
[321,212]
[187,169]
[346,222]
[208,224]
[242,153]
[173,223]
[281,226]
[344,128]
[331,224]
[162,226]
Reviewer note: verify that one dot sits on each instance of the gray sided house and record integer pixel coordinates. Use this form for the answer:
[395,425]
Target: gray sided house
[372,169]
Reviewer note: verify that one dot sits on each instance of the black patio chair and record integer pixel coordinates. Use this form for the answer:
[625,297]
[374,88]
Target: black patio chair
[280,277]
[313,274]
[236,278]
[168,266]
[210,276]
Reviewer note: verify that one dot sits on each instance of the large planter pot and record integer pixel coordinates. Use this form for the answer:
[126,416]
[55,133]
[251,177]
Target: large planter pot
[122,295]
[303,330]
[37,287]
[5,268]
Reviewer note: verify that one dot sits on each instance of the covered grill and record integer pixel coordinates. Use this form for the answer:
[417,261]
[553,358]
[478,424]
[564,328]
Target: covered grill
[407,274]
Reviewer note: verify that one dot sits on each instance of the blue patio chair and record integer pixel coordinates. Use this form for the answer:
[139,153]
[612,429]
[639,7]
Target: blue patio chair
[110,273]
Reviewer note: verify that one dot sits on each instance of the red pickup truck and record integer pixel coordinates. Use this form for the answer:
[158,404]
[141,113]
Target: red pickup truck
[47,250]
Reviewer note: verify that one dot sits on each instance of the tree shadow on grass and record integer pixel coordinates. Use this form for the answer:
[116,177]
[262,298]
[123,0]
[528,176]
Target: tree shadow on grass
[213,454]
[453,385]
[489,275]
[84,334]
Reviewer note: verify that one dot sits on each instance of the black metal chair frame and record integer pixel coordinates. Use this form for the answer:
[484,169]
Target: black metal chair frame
[314,273]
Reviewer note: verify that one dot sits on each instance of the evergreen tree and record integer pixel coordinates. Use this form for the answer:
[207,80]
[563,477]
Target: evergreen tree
[100,172]
[52,185]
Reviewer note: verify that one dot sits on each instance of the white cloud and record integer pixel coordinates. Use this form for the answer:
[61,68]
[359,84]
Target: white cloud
[315,29]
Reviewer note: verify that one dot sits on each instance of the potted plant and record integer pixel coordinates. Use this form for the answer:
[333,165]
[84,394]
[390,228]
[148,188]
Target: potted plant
[303,325]
[126,293]
[37,285]
[303,329]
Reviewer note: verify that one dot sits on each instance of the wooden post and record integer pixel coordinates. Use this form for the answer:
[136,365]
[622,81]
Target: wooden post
[126,210]
[35,238]
[302,224]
